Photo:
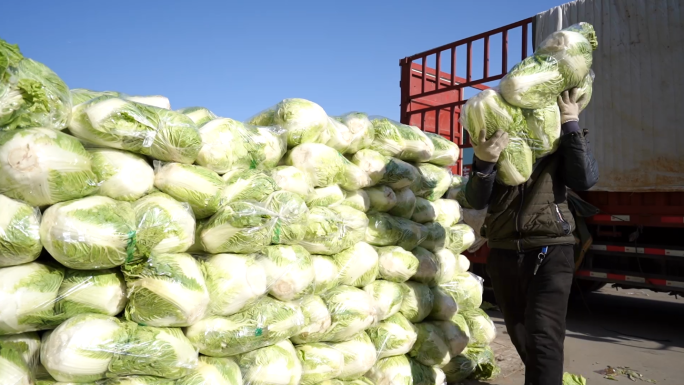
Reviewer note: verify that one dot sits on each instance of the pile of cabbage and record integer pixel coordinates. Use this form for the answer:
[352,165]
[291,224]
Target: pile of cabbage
[147,245]
[525,103]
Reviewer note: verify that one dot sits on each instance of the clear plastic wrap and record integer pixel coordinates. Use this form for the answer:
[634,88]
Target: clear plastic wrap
[163,224]
[212,371]
[457,191]
[325,166]
[195,185]
[475,219]
[246,185]
[386,170]
[533,83]
[303,120]
[459,238]
[426,375]
[544,126]
[435,238]
[388,297]
[361,128]
[90,233]
[394,336]
[199,115]
[386,230]
[481,360]
[32,95]
[351,310]
[396,264]
[446,152]
[456,332]
[382,198]
[405,142]
[19,232]
[418,301]
[42,167]
[585,89]
[326,196]
[406,203]
[573,50]
[358,200]
[90,291]
[358,265]
[19,356]
[359,356]
[272,365]
[234,281]
[289,271]
[320,362]
[166,290]
[265,323]
[340,136]
[433,183]
[448,266]
[143,129]
[121,175]
[466,289]
[82,95]
[239,227]
[481,328]
[331,230]
[327,274]
[431,347]
[394,370]
[292,179]
[428,266]
[447,212]
[445,305]
[317,320]
[291,214]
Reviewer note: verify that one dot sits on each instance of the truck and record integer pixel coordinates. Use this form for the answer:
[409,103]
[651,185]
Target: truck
[636,234]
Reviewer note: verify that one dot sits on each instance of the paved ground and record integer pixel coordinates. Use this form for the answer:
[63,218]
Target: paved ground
[636,328]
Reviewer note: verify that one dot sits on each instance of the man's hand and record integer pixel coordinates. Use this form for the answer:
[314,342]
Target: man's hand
[569,105]
[489,150]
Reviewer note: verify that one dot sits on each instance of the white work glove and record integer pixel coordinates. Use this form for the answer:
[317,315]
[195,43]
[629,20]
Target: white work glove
[489,150]
[569,105]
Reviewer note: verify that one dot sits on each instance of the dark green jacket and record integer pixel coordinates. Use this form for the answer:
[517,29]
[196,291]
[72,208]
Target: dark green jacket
[534,214]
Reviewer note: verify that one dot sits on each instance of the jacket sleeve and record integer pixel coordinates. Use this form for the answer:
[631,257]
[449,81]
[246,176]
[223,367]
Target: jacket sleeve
[579,166]
[480,184]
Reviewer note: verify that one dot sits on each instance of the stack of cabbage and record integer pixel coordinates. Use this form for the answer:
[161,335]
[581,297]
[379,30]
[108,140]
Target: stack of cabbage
[294,248]
[524,105]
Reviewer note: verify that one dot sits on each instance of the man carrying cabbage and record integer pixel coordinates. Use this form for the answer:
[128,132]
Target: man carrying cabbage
[529,229]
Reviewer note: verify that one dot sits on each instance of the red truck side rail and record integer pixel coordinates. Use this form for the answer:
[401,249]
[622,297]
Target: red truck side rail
[432,93]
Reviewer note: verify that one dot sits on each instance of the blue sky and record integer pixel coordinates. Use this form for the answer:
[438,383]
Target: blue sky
[239,58]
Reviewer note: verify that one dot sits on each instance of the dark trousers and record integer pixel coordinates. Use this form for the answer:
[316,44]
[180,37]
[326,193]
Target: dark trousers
[534,306]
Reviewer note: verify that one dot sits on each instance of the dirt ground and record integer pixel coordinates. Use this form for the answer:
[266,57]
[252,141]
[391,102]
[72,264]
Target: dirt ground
[636,329]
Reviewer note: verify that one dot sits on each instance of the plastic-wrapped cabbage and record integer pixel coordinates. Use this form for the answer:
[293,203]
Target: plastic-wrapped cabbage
[121,175]
[533,83]
[223,145]
[19,232]
[358,381]
[448,265]
[325,166]
[246,185]
[392,371]
[239,227]
[431,347]
[396,264]
[466,289]
[382,198]
[357,265]
[386,230]
[32,95]
[446,152]
[234,281]
[516,163]
[166,290]
[215,371]
[406,203]
[483,362]
[402,141]
[195,185]
[352,310]
[573,50]
[303,120]
[459,368]
[272,365]
[361,129]
[393,336]
[164,225]
[447,212]
[428,266]
[151,351]
[289,271]
[27,350]
[456,332]
[585,90]
[459,238]
[265,323]
[544,127]
[317,320]
[481,328]
[158,101]
[329,231]
[433,183]
[417,146]
[14,367]
[199,115]
[385,170]
[490,112]
[418,301]
[340,136]
[294,180]
[42,167]
[457,191]
[388,297]
[327,274]
[28,294]
[424,212]
[462,263]
[445,306]
[290,212]
[388,140]
[320,362]
[130,380]
[176,139]
[91,291]
[435,238]
[82,348]
[426,375]
[82,95]
[326,196]
[359,356]
[358,200]
[90,233]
